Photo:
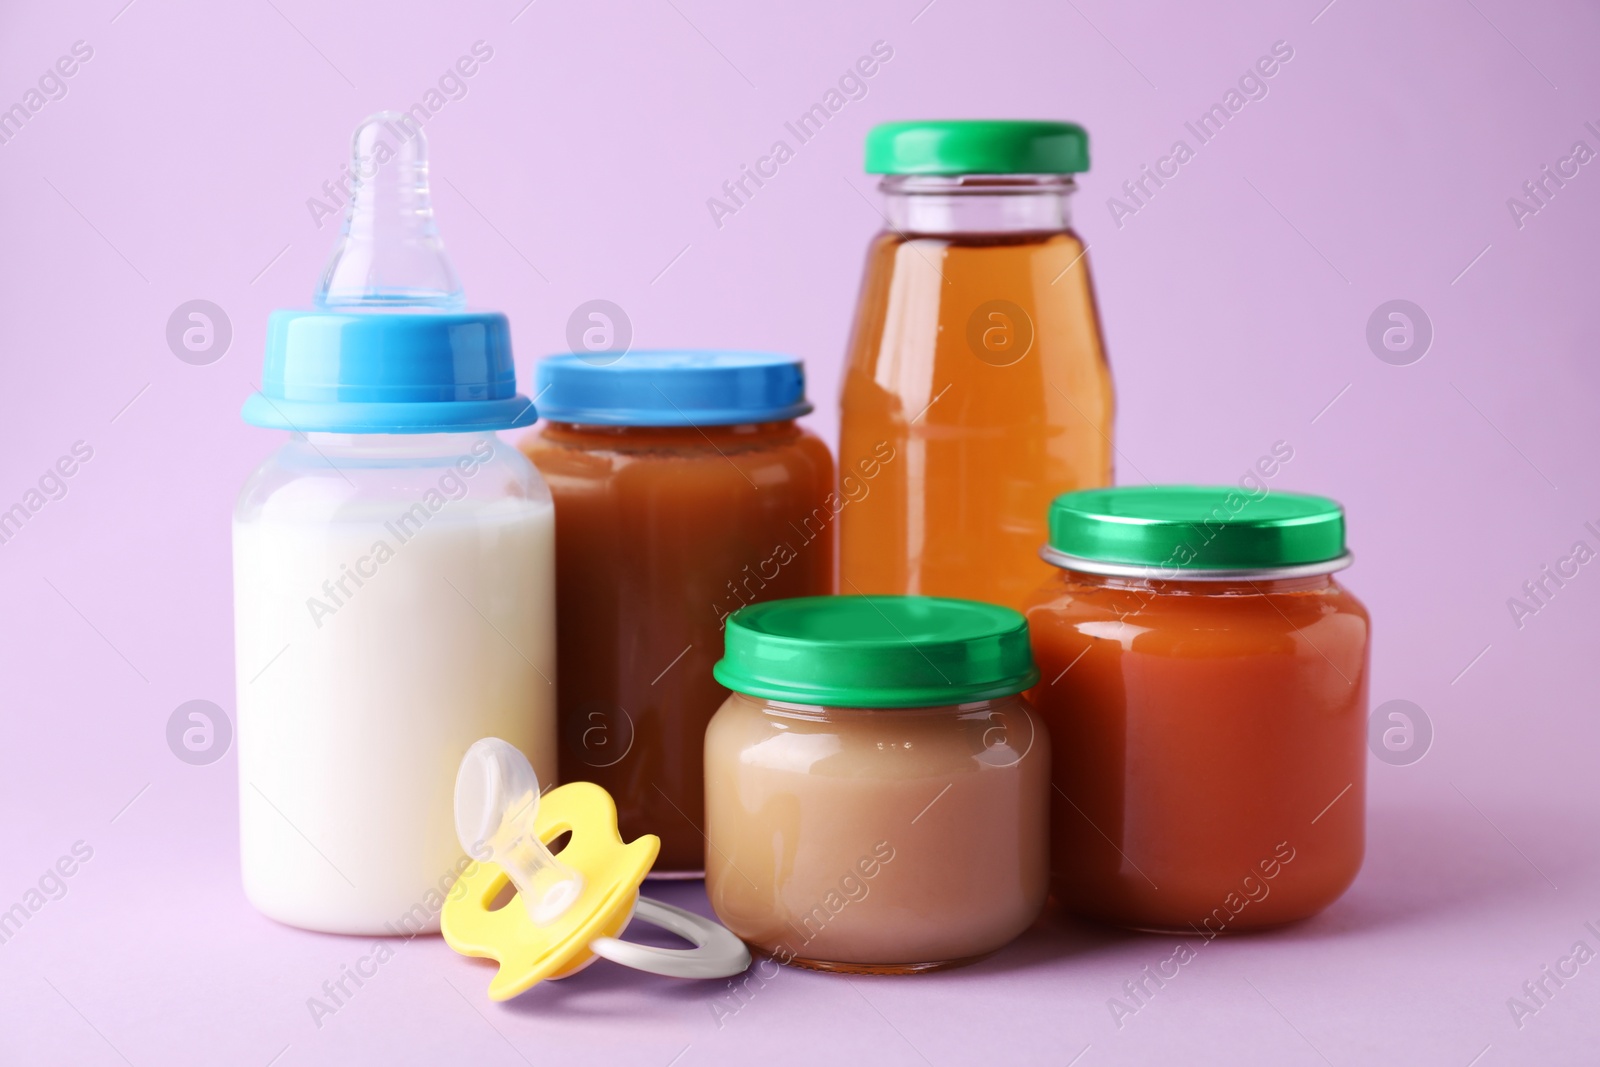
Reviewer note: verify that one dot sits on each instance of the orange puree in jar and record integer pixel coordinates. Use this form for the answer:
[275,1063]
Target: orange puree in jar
[669,516]
[1208,730]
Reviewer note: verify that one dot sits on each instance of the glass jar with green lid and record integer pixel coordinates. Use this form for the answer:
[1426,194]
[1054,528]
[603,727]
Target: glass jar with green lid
[1205,686]
[876,785]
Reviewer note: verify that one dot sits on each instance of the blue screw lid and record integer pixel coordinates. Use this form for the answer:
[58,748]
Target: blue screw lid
[411,372]
[388,348]
[687,387]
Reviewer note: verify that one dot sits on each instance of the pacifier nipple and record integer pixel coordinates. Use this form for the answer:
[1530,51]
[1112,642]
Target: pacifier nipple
[497,798]
[389,255]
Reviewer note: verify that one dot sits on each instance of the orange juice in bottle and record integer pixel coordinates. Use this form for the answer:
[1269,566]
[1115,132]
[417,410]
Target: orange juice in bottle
[977,388]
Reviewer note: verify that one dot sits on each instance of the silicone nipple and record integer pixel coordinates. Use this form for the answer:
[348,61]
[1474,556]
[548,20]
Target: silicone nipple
[497,797]
[389,255]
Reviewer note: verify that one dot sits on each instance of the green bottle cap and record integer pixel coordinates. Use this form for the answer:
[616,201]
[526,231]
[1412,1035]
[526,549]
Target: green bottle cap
[977,146]
[1195,531]
[876,651]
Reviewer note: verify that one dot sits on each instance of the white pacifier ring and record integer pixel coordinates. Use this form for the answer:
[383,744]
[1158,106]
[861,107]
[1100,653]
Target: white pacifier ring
[717,952]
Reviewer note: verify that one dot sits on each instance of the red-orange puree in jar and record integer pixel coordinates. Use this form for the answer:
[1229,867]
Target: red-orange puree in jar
[1204,680]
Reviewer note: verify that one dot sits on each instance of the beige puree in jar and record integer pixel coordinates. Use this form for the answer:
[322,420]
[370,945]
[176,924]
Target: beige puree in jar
[878,840]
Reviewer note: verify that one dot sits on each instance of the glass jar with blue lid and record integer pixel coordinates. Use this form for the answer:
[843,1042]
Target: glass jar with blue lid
[684,489]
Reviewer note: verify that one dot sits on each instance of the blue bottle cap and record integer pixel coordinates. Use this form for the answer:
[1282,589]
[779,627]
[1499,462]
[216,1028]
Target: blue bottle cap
[389,348]
[671,388]
[412,372]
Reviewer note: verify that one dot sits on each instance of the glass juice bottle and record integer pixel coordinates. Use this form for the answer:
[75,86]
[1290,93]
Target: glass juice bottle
[976,362]
[394,573]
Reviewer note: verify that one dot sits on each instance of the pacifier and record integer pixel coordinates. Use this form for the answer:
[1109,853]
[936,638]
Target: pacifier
[571,907]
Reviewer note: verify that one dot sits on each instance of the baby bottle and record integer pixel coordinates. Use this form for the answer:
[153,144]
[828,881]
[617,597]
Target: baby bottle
[393,571]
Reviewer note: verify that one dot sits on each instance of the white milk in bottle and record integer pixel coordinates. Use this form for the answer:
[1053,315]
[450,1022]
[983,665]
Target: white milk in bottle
[393,571]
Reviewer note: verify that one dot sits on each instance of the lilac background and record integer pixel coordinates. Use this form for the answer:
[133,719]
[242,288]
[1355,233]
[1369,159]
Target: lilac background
[578,166]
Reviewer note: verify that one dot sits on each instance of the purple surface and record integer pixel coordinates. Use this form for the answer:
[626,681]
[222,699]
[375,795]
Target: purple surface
[1379,166]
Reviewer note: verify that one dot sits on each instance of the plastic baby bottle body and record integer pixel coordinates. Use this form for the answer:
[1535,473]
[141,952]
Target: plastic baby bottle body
[394,603]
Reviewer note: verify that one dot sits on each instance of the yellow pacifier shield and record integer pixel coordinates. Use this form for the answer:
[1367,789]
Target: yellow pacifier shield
[529,953]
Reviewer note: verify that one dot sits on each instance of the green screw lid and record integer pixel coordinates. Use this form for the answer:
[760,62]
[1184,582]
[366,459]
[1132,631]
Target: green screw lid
[876,651]
[977,146]
[1194,531]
